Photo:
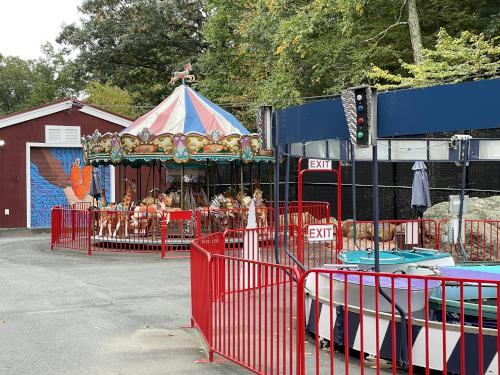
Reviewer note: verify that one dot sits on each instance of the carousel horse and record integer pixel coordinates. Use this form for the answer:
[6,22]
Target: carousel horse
[183,76]
[164,206]
[124,206]
[260,206]
[143,216]
[105,218]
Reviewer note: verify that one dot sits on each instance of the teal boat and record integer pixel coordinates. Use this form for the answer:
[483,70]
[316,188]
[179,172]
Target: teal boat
[418,261]
[489,274]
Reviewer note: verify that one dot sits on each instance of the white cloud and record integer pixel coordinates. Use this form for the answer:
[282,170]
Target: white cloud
[26,24]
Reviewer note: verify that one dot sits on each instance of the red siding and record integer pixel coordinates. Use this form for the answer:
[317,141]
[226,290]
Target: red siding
[13,157]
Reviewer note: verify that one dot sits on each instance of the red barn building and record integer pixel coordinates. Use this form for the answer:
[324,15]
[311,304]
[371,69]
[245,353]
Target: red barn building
[41,161]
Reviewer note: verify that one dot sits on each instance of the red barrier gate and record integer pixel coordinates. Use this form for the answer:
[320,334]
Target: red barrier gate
[249,317]
[481,239]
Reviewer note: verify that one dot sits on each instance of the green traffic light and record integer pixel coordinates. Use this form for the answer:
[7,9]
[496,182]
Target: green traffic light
[360,135]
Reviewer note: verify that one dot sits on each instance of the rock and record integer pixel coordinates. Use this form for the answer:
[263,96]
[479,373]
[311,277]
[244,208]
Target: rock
[362,229]
[385,232]
[481,239]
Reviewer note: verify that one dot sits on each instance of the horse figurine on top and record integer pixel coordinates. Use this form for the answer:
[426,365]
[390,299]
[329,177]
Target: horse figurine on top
[184,76]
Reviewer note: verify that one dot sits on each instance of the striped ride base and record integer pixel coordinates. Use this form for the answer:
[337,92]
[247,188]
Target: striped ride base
[454,348]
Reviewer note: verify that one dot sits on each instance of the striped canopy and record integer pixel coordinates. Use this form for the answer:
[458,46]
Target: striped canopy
[187,111]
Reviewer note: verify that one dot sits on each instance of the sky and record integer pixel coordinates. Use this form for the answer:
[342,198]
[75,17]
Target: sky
[26,24]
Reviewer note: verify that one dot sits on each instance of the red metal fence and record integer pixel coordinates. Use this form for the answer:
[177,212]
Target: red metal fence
[244,308]
[166,233]
[269,318]
[481,239]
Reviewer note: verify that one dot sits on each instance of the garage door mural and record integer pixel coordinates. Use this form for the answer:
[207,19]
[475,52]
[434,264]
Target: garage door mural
[59,177]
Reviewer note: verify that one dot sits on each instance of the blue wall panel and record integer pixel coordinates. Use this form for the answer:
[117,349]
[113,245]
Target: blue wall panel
[446,108]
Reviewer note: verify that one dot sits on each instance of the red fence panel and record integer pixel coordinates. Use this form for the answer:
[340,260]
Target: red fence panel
[125,231]
[201,294]
[178,229]
[69,228]
[480,238]
[393,234]
[253,314]
[421,323]
[317,253]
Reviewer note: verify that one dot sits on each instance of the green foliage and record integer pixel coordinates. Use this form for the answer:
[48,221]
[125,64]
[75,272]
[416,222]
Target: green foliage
[467,57]
[112,98]
[247,52]
[28,83]
[278,51]
[136,44]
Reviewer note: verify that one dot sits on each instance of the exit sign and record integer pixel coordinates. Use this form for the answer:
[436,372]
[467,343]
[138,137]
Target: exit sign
[320,164]
[320,232]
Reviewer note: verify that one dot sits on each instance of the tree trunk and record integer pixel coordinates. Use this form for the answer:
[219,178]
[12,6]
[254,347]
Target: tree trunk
[414,26]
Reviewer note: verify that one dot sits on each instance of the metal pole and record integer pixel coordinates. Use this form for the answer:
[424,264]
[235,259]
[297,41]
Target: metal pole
[271,186]
[208,179]
[276,202]
[465,147]
[182,186]
[241,179]
[154,172]
[353,176]
[375,191]
[287,191]
[375,207]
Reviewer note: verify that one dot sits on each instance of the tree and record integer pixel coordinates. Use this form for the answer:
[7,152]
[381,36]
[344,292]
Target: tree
[278,51]
[28,83]
[136,44]
[111,97]
[467,57]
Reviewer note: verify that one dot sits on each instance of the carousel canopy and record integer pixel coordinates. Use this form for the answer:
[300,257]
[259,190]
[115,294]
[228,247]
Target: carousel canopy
[185,127]
[187,111]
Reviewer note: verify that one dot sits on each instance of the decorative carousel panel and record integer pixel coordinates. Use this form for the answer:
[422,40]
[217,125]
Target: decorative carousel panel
[232,142]
[196,143]
[129,143]
[165,143]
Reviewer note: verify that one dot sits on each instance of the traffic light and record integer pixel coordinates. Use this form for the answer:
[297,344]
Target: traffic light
[360,107]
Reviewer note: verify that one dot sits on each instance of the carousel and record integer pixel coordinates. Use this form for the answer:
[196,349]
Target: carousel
[180,144]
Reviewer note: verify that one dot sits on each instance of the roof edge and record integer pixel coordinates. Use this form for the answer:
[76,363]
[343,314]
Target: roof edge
[61,105]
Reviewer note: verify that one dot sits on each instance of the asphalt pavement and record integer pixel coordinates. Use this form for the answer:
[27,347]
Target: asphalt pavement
[62,312]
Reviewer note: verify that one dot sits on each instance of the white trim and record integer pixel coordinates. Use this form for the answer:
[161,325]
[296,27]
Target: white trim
[28,174]
[105,116]
[28,185]
[35,113]
[58,107]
